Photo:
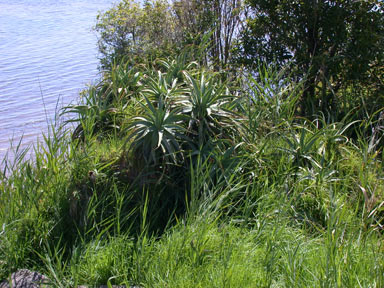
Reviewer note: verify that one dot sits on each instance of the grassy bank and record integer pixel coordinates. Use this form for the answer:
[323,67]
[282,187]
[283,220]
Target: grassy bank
[176,178]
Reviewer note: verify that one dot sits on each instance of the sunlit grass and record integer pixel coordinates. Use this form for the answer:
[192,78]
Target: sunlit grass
[275,201]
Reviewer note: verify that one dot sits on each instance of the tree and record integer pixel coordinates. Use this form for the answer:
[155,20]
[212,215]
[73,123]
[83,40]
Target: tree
[221,18]
[161,28]
[132,30]
[333,43]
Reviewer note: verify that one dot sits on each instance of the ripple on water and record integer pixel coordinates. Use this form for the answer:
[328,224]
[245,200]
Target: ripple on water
[48,55]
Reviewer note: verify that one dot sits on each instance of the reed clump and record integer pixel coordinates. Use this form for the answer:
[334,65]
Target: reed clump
[172,177]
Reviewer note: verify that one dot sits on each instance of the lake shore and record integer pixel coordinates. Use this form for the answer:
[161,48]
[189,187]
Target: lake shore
[48,54]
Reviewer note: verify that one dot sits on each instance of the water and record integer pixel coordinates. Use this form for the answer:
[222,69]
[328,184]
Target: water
[48,54]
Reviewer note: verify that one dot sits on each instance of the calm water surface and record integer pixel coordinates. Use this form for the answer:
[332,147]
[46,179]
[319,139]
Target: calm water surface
[48,53]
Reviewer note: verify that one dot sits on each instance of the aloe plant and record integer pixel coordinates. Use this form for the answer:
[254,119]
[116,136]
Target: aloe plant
[175,68]
[209,106]
[122,83]
[94,115]
[301,146]
[162,88]
[157,133]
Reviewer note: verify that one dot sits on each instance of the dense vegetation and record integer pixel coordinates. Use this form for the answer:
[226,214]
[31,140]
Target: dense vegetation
[192,165]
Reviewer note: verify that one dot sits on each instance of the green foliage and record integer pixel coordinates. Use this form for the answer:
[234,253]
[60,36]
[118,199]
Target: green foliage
[95,115]
[300,146]
[270,101]
[157,130]
[220,19]
[136,31]
[333,45]
[157,28]
[179,179]
[210,107]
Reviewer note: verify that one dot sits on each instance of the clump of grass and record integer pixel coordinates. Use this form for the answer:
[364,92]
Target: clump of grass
[174,178]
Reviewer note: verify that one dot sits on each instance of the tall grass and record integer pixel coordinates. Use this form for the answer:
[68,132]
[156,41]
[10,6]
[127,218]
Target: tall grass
[270,201]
